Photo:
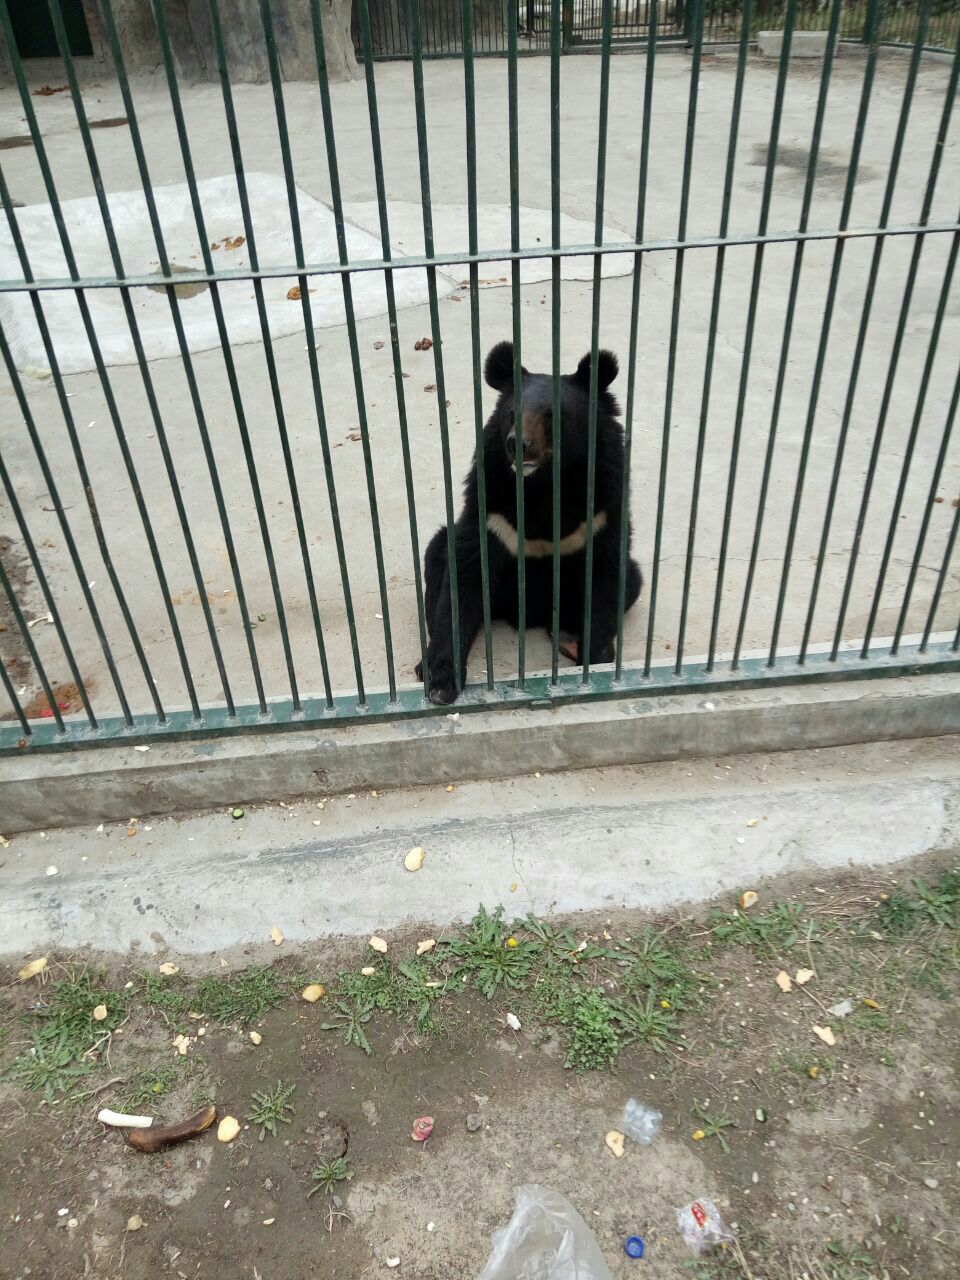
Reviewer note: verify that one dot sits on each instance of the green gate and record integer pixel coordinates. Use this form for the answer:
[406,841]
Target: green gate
[830,528]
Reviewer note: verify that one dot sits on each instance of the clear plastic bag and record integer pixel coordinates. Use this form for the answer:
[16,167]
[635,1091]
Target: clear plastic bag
[546,1239]
[702,1226]
[640,1122]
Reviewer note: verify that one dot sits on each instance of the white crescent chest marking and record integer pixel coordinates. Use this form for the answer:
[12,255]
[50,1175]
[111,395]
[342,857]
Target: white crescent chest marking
[540,548]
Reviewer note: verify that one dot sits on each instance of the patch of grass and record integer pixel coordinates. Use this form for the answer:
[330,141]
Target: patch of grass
[589,1017]
[655,967]
[806,1064]
[712,1126]
[149,1085]
[489,957]
[271,1109]
[161,993]
[408,991]
[66,1016]
[349,1018]
[937,904]
[559,947]
[243,997]
[647,1022]
[49,1066]
[773,931]
[328,1174]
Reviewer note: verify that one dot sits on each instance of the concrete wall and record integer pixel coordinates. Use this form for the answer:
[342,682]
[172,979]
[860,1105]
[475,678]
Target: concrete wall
[189,26]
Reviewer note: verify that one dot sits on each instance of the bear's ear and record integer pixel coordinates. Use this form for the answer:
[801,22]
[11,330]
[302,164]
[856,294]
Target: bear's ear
[607,369]
[498,369]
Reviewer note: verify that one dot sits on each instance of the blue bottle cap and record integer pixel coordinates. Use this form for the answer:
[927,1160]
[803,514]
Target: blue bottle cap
[633,1247]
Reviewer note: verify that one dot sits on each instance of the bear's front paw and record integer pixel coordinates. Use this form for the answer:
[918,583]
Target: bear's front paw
[442,689]
[418,670]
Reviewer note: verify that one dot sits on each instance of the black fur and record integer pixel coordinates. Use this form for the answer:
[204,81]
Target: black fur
[537,399]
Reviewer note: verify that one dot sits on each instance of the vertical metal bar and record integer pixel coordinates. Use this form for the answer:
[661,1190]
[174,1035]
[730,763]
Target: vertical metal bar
[824,336]
[11,691]
[768,177]
[941,579]
[154,407]
[513,125]
[595,335]
[85,480]
[787,333]
[904,306]
[51,485]
[555,279]
[927,512]
[698,14]
[715,319]
[274,381]
[907,458]
[35,658]
[373,112]
[652,21]
[326,107]
[416,41]
[229,365]
[469,89]
[45,591]
[189,372]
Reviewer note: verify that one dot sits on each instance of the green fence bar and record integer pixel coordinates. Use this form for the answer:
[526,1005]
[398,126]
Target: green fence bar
[852,168]
[652,18]
[595,342]
[787,334]
[192,382]
[423,151]
[697,18]
[902,318]
[513,118]
[932,495]
[715,323]
[224,339]
[470,108]
[373,112]
[337,201]
[556,460]
[768,177]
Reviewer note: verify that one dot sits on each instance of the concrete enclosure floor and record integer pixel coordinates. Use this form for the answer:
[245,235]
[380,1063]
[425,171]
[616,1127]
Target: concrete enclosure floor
[579,125]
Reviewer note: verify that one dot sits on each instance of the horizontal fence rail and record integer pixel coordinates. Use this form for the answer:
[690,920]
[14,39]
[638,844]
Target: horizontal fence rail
[244,329]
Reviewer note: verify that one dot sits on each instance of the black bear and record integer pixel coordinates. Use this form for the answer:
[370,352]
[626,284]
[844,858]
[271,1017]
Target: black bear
[503,443]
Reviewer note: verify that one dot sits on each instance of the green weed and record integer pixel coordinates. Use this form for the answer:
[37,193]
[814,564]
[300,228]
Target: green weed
[647,1022]
[161,993]
[328,1174]
[49,1067]
[773,930]
[408,992]
[271,1109]
[150,1084]
[489,957]
[712,1126]
[243,997]
[349,1018]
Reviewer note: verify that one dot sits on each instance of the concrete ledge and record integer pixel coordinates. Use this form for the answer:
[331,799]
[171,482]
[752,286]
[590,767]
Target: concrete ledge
[114,783]
[803,44]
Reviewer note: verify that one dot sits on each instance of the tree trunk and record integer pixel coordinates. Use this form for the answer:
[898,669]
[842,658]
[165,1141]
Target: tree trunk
[336,19]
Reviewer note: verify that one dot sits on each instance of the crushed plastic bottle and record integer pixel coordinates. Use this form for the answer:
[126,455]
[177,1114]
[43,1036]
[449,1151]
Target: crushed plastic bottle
[640,1122]
[702,1226]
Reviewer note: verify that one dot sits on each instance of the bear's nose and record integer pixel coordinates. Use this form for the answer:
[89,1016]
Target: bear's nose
[527,448]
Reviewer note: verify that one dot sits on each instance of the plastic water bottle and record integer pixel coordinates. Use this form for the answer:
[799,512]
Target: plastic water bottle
[640,1122]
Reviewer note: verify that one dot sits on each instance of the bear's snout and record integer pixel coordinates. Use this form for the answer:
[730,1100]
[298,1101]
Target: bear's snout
[535,442]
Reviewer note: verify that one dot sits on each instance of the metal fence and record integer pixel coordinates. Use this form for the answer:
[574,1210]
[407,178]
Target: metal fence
[581,24]
[212,457]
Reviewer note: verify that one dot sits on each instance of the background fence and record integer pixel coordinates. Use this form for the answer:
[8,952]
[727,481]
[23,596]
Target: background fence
[581,23]
[225,442]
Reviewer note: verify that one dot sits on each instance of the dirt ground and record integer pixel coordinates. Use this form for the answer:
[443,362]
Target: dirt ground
[834,1162]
